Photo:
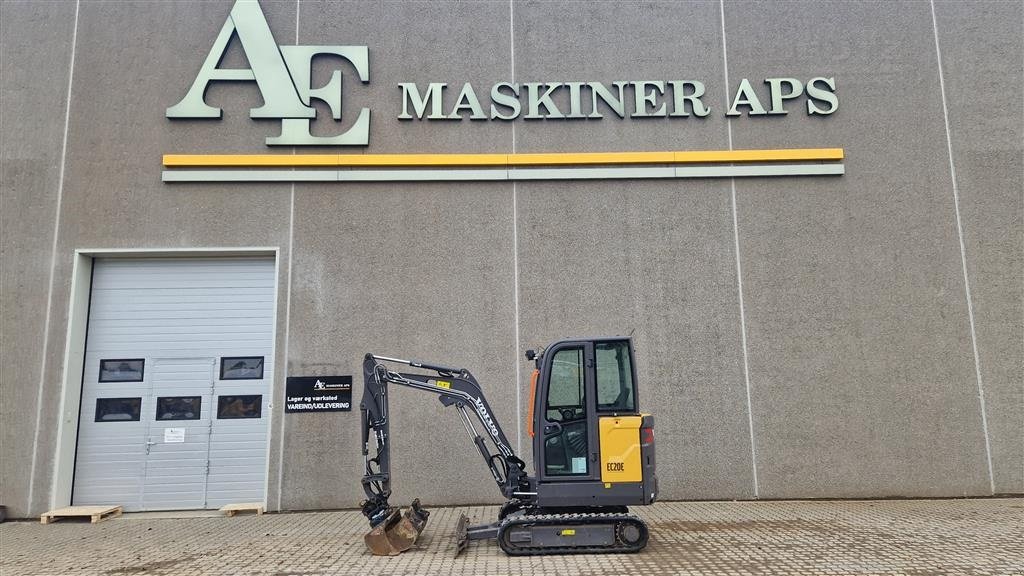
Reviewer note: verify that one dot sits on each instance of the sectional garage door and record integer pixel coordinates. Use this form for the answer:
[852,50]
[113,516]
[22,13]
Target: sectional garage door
[176,385]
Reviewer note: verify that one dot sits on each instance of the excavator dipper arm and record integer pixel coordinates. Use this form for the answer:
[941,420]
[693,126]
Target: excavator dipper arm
[391,532]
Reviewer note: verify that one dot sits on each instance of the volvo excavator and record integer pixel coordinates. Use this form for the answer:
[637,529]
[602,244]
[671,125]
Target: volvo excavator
[593,453]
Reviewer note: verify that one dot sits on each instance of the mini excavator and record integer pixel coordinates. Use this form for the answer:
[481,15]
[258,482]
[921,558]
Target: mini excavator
[593,453]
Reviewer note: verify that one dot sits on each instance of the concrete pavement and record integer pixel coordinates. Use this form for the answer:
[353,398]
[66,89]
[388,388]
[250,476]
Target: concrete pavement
[912,537]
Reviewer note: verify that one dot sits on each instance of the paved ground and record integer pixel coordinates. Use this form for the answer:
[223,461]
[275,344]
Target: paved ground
[917,538]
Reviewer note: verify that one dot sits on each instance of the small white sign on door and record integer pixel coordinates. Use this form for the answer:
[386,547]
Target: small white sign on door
[172,435]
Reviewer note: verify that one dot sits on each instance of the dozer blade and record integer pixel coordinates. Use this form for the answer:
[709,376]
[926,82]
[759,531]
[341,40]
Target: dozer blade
[461,535]
[398,532]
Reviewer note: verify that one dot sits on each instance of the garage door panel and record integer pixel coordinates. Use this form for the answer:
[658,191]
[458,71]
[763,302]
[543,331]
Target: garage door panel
[217,499]
[117,433]
[195,341]
[197,320]
[230,437]
[250,487]
[175,299]
[131,455]
[183,347]
[178,456]
[194,282]
[240,474]
[116,486]
[170,482]
[233,303]
[111,497]
[241,441]
[246,449]
[234,465]
[182,333]
[252,451]
[119,484]
[117,466]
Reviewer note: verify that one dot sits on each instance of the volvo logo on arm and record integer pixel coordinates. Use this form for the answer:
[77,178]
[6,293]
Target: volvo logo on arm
[283,76]
[486,417]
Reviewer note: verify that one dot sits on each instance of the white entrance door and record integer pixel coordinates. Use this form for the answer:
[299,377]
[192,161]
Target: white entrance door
[178,442]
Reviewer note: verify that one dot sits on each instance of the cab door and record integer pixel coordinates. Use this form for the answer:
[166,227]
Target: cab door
[566,440]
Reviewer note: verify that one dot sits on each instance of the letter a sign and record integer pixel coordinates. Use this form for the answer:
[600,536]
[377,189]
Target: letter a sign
[283,76]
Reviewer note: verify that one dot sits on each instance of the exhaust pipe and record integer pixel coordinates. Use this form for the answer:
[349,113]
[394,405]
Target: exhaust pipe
[397,532]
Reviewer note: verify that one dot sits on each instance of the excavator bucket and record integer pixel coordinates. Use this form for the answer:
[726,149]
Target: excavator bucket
[398,532]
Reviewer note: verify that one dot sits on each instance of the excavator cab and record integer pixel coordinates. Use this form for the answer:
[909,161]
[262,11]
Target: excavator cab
[592,446]
[593,453]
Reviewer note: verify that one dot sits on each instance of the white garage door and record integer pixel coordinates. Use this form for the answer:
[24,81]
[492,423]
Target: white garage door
[176,385]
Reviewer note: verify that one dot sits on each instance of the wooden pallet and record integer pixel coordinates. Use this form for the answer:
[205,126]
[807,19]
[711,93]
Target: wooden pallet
[94,513]
[232,509]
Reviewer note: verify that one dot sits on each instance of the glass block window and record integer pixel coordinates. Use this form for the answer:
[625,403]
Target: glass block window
[235,407]
[241,368]
[118,409]
[122,370]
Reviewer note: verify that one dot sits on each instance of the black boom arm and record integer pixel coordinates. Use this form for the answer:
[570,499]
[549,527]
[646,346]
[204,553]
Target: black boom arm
[454,387]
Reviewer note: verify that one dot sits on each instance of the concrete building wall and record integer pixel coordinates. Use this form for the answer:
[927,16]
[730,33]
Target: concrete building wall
[813,337]
[859,341]
[985,136]
[33,99]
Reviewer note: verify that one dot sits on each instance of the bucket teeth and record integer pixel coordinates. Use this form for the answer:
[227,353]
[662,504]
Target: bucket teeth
[398,532]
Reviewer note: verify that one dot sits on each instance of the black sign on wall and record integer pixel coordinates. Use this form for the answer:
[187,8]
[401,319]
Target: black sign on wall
[318,394]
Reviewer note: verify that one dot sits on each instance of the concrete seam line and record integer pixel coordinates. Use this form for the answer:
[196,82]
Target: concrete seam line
[963,252]
[515,245]
[739,266]
[53,266]
[287,339]
[287,305]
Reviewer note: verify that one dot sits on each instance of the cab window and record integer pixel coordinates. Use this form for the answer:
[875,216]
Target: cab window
[565,388]
[615,392]
[565,435]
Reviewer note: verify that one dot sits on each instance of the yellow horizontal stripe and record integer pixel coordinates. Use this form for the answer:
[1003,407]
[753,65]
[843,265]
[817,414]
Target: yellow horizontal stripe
[779,155]
[551,159]
[567,158]
[250,160]
[422,159]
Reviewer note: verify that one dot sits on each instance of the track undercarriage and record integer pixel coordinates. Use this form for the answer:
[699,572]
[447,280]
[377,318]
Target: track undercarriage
[536,531]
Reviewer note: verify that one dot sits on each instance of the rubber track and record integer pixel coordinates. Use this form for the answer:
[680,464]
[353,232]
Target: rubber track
[618,520]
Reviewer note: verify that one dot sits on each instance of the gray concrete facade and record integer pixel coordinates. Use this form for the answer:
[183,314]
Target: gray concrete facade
[852,336]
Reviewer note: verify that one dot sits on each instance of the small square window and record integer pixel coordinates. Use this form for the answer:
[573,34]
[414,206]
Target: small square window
[128,370]
[118,409]
[235,407]
[178,407]
[241,368]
